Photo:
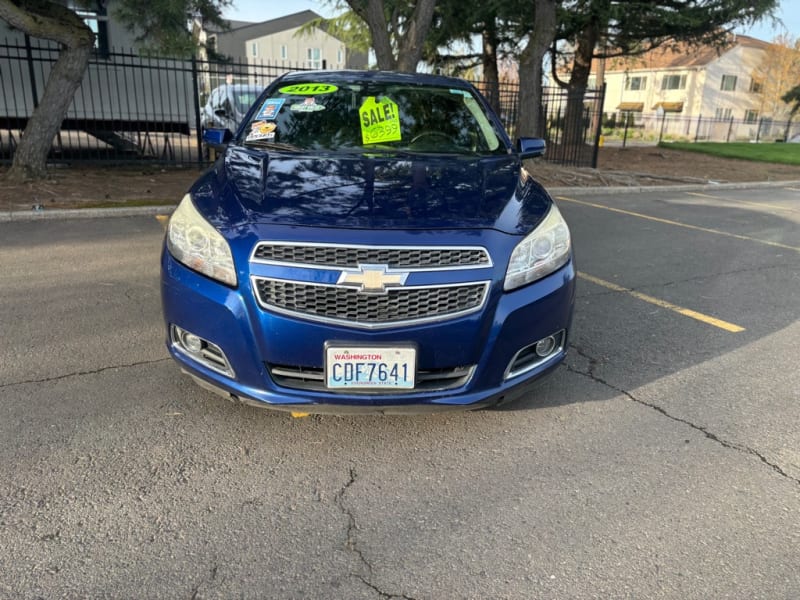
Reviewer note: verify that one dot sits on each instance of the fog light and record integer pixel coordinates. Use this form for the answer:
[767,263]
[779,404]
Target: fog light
[191,342]
[200,350]
[545,347]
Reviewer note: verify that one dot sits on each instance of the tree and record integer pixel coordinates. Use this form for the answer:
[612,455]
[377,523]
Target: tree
[530,122]
[792,97]
[161,24]
[778,71]
[398,29]
[608,28]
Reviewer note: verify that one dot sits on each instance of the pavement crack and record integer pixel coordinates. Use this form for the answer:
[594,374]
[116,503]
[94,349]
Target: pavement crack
[351,545]
[708,434]
[211,576]
[352,526]
[82,373]
[383,594]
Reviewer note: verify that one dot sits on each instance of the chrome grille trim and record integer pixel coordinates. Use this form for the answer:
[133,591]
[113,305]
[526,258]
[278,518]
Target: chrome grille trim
[350,256]
[313,379]
[344,294]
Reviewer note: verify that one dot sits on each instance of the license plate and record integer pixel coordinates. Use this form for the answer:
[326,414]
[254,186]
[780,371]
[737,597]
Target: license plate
[370,367]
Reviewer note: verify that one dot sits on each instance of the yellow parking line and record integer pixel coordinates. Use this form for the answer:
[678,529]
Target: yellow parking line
[679,224]
[736,200]
[686,312]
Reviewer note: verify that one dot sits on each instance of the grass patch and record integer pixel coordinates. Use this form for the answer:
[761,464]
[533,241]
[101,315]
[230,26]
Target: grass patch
[787,154]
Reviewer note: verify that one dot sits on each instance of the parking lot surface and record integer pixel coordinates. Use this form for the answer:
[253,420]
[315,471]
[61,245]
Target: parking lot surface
[661,461]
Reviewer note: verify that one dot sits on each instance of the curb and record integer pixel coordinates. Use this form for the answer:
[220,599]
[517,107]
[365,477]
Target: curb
[139,211]
[84,213]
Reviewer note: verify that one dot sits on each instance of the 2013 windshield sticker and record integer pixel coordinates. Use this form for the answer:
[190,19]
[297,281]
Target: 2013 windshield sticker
[270,109]
[380,121]
[306,106]
[308,89]
[261,130]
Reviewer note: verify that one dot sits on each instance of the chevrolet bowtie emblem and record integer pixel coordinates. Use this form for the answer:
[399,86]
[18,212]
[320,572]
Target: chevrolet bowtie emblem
[372,279]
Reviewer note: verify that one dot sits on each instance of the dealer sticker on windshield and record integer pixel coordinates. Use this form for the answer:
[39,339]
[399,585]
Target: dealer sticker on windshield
[270,109]
[308,89]
[380,121]
[370,367]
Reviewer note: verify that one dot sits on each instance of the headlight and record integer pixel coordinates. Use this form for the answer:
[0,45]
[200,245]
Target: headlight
[540,253]
[194,242]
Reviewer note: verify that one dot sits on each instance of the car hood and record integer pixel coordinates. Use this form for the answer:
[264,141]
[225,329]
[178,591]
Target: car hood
[370,191]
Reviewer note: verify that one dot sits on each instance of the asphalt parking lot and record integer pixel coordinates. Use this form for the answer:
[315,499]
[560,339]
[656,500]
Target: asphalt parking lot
[661,461]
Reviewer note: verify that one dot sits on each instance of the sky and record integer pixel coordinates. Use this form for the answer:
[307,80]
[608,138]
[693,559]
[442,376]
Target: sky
[259,10]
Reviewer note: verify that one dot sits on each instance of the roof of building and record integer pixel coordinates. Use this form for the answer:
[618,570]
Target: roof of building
[250,29]
[232,42]
[679,55]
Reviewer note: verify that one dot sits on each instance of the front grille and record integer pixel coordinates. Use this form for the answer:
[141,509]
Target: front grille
[353,256]
[349,306]
[313,379]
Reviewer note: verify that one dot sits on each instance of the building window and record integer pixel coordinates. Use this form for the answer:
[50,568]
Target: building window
[96,17]
[284,52]
[253,49]
[673,82]
[756,86]
[314,56]
[723,113]
[728,83]
[635,84]
[750,116]
[339,56]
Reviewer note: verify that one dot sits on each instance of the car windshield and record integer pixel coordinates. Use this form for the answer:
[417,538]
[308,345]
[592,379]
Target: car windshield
[245,98]
[375,117]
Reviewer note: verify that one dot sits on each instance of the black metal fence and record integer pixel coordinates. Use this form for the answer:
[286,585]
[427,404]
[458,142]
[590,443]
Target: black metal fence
[132,108]
[652,127]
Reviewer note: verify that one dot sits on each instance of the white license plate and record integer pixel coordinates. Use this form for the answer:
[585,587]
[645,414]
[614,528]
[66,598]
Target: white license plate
[370,367]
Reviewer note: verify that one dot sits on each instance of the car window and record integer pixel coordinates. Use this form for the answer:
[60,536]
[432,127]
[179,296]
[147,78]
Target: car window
[244,99]
[375,117]
[214,98]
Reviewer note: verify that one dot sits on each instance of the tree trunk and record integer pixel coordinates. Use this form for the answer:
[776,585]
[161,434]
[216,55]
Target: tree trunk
[379,31]
[530,115]
[30,158]
[410,44]
[574,128]
[51,21]
[491,76]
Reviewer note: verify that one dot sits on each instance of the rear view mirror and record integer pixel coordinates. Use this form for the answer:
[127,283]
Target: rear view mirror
[530,147]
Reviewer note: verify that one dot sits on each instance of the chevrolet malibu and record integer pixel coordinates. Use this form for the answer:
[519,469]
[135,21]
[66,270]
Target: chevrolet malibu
[368,242]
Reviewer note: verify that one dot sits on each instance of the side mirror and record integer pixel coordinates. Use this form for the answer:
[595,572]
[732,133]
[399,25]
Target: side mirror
[221,112]
[530,147]
[218,139]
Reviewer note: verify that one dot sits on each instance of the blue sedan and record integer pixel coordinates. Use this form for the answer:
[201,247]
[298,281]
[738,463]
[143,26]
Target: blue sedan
[368,242]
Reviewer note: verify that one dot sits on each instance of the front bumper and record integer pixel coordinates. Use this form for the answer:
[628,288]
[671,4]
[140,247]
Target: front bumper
[252,338]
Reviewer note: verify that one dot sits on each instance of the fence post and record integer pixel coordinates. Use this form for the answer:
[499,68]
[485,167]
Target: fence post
[598,132]
[198,131]
[730,129]
[31,72]
[697,131]
[625,115]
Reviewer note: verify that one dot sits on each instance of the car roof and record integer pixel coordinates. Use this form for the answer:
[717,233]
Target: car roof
[353,76]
